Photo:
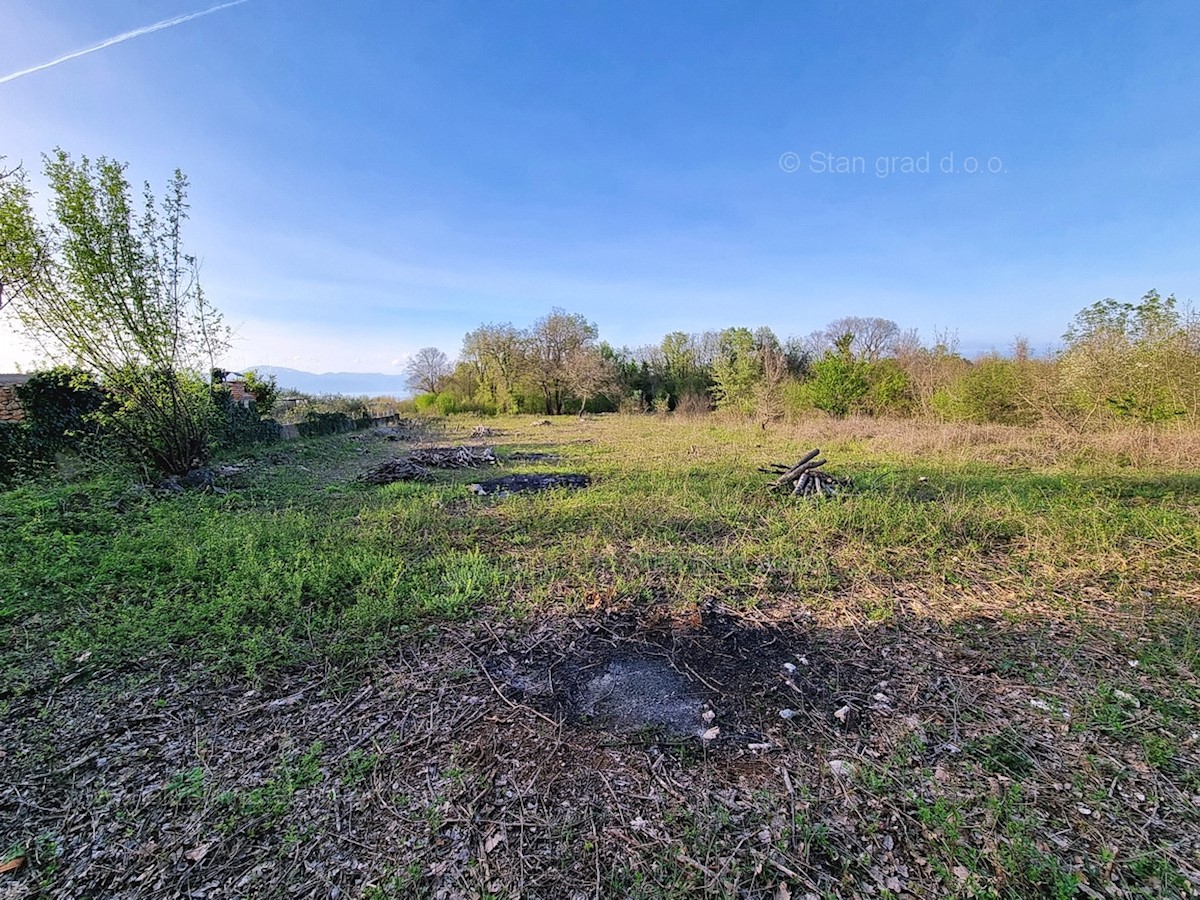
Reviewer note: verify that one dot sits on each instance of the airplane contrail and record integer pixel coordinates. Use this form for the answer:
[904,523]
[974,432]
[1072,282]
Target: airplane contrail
[127,36]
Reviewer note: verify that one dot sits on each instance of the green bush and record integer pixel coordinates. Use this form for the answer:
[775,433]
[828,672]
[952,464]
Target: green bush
[264,389]
[316,424]
[890,389]
[60,406]
[993,390]
[161,418]
[20,454]
[838,384]
[241,425]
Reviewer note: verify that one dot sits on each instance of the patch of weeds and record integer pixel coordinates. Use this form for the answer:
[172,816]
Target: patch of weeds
[47,854]
[874,778]
[663,879]
[879,612]
[466,580]
[1002,754]
[1106,711]
[1155,876]
[941,817]
[1160,751]
[186,785]
[687,753]
[1029,870]
[814,837]
[265,805]
[406,885]
[356,766]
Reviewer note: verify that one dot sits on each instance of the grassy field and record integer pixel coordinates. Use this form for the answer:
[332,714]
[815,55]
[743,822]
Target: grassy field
[974,674]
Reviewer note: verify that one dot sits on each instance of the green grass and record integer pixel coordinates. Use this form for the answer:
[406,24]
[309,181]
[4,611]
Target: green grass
[299,562]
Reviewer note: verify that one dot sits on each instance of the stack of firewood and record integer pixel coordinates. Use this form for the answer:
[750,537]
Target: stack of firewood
[805,478]
[399,469]
[455,457]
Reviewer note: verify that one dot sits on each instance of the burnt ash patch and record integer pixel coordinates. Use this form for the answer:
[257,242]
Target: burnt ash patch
[752,680]
[528,483]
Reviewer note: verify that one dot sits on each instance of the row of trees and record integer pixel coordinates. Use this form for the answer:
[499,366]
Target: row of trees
[1135,361]
[555,363]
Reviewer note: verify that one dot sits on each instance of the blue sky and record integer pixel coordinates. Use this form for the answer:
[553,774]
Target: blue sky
[369,178]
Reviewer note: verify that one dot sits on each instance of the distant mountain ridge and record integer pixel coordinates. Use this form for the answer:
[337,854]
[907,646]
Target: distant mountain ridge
[372,384]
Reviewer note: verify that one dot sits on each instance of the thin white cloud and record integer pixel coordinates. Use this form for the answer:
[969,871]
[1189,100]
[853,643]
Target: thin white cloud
[121,38]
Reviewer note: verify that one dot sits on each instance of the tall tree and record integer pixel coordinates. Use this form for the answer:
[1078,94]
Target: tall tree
[426,371]
[20,234]
[550,344]
[590,372]
[870,338]
[497,353]
[736,370]
[113,289]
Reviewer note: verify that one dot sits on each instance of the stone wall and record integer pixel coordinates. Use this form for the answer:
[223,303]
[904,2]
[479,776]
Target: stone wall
[291,432]
[10,406]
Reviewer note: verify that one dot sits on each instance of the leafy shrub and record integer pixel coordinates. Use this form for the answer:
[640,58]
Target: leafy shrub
[890,389]
[992,390]
[1135,361]
[693,403]
[162,418]
[19,453]
[60,406]
[242,425]
[317,423]
[838,384]
[264,389]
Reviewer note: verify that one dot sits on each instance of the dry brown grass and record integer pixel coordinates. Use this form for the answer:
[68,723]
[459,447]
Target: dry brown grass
[1158,447]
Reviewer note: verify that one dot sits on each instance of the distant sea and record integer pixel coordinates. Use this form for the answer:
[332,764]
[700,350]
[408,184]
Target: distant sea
[372,384]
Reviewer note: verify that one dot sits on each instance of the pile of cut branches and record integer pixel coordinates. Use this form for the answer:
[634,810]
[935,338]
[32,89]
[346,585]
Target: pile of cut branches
[399,469]
[455,457]
[805,477]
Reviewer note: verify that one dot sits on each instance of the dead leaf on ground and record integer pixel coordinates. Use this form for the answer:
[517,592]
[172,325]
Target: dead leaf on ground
[493,841]
[197,853]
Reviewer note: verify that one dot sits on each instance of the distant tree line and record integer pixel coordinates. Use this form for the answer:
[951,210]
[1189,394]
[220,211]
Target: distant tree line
[1119,361]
